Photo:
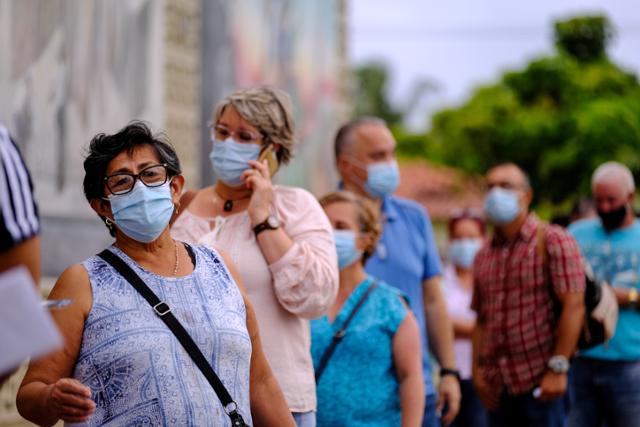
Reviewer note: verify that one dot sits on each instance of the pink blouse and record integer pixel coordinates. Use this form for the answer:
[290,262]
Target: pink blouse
[299,286]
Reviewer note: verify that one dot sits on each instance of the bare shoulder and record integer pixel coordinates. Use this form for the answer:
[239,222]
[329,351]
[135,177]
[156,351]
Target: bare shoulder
[201,203]
[74,284]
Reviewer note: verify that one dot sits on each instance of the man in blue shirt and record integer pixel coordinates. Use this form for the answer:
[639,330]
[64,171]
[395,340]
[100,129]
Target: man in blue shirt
[406,256]
[607,377]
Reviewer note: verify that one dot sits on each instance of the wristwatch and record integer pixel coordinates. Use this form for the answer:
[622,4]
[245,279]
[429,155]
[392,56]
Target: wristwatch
[447,371]
[558,364]
[271,223]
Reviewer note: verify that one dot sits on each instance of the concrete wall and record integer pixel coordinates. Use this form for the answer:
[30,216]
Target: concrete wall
[69,70]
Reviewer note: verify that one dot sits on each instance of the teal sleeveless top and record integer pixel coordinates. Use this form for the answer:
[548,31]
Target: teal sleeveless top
[359,386]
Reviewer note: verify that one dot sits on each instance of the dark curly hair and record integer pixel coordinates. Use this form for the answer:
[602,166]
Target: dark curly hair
[104,148]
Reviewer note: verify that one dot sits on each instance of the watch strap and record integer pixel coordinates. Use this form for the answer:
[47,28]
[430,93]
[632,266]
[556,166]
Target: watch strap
[446,371]
[264,225]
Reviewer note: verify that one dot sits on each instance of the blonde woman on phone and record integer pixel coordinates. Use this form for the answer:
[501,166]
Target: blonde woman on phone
[278,236]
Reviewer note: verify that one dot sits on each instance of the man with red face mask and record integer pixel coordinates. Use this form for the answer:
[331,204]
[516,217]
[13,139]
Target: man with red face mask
[606,378]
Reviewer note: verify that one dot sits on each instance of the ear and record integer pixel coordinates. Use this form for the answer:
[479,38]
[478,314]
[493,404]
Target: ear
[363,241]
[101,207]
[528,197]
[177,185]
[344,166]
[631,198]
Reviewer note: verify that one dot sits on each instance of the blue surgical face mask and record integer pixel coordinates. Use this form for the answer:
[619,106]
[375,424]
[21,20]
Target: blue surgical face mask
[462,252]
[143,213]
[230,159]
[348,253]
[382,178]
[501,205]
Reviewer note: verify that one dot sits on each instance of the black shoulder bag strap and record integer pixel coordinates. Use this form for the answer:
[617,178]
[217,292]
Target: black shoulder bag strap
[543,253]
[337,337]
[163,311]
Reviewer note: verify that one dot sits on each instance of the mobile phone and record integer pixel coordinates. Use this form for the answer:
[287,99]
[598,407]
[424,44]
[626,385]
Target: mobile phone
[272,162]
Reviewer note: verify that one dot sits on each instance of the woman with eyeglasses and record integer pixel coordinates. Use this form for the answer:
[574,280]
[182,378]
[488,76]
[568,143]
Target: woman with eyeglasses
[277,235]
[121,364]
[466,230]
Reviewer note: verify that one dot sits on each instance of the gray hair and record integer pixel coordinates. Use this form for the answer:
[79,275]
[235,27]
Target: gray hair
[344,137]
[269,110]
[614,172]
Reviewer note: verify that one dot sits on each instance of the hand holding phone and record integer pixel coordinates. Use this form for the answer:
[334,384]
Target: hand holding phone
[272,162]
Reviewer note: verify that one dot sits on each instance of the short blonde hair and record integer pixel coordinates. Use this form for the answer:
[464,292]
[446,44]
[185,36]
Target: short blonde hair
[269,110]
[368,216]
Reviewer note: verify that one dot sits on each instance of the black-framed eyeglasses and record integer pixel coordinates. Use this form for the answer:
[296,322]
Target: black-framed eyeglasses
[151,176]
[221,132]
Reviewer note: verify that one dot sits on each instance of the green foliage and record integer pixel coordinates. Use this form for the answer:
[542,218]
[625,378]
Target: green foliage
[371,93]
[558,118]
[411,145]
[584,38]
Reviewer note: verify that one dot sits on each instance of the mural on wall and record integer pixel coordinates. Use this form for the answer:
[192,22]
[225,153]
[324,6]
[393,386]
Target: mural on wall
[290,44]
[69,70]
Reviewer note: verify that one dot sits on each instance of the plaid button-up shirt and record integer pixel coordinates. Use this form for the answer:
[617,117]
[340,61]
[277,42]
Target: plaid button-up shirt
[514,302]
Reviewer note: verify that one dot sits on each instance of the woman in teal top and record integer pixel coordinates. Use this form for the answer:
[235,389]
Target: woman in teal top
[374,376]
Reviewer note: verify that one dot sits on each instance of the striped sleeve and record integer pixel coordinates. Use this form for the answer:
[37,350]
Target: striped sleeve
[18,210]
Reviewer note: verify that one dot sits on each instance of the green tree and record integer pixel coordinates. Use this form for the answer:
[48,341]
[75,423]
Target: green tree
[558,118]
[371,93]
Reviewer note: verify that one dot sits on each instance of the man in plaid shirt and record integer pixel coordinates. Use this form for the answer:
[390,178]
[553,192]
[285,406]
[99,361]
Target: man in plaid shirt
[522,345]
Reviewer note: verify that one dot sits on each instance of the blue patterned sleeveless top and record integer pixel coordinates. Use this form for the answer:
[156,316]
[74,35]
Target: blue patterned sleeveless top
[138,372]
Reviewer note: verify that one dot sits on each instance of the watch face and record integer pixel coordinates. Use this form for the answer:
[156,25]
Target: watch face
[559,364]
[273,222]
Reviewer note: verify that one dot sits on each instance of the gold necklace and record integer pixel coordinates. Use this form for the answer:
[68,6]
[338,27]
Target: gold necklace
[177,264]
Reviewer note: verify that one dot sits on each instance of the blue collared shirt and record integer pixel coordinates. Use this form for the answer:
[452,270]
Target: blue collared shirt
[407,256]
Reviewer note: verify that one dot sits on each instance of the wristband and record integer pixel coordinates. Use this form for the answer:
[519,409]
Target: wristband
[447,371]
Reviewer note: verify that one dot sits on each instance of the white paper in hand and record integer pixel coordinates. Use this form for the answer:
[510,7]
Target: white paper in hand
[26,328]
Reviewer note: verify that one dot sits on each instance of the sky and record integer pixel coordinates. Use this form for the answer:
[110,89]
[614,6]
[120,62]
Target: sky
[455,45]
